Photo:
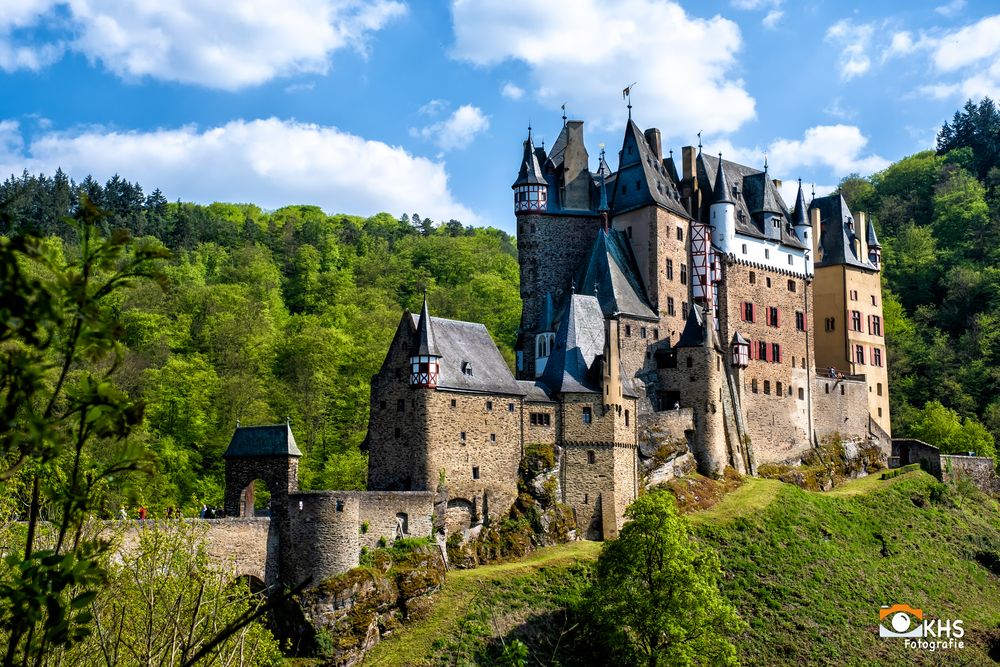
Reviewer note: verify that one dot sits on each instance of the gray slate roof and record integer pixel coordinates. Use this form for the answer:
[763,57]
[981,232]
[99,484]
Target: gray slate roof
[426,345]
[756,194]
[638,164]
[579,340]
[611,271]
[463,343]
[255,441]
[800,216]
[535,392]
[531,171]
[694,329]
[836,237]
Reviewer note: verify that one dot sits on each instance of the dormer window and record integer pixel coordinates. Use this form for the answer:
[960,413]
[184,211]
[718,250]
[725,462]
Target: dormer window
[467,368]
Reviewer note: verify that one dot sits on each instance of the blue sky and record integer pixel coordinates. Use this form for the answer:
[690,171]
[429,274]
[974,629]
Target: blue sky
[367,105]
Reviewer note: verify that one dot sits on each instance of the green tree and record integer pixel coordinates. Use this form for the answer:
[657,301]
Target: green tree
[656,597]
[942,427]
[976,126]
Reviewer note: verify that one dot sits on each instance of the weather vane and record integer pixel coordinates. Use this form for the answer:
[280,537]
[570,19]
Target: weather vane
[627,95]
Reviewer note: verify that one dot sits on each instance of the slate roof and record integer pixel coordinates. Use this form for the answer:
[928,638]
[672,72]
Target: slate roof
[535,392]
[694,329]
[464,343]
[800,216]
[640,165]
[872,238]
[721,192]
[611,271]
[425,344]
[757,194]
[579,340]
[836,237]
[531,171]
[256,441]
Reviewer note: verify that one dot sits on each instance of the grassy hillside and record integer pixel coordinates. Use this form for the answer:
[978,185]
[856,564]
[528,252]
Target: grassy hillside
[808,572]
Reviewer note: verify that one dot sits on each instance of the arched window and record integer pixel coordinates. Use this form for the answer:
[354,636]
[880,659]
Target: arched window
[591,456]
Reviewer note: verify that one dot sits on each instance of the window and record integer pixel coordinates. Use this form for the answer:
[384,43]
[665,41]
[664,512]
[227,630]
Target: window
[401,405]
[767,387]
[748,314]
[753,385]
[453,402]
[680,234]
[777,389]
[467,368]
[340,505]
[776,352]
[510,407]
[830,323]
[630,226]
[854,295]
[493,437]
[656,334]
[670,306]
[489,406]
[475,472]
[626,417]
[684,309]
[684,274]
[628,330]
[753,276]
[588,415]
[876,356]
[767,253]
[859,354]
[772,316]
[800,320]
[790,262]
[875,325]
[880,412]
[591,456]
[791,284]
[381,405]
[762,350]
[541,419]
[802,394]
[642,332]
[586,499]
[874,300]
[395,432]
[744,248]
[670,269]
[461,436]
[856,320]
[690,362]
[878,389]
[767,281]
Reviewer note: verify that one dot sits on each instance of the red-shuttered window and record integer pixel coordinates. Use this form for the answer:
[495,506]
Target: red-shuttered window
[762,350]
[800,320]
[775,353]
[748,311]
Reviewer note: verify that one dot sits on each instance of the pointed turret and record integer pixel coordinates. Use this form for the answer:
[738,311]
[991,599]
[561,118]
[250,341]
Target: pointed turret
[425,359]
[800,215]
[721,192]
[530,188]
[874,247]
[722,210]
[803,227]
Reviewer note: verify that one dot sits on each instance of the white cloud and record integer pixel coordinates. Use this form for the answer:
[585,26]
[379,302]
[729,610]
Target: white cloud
[511,91]
[433,108]
[772,19]
[837,109]
[853,38]
[951,9]
[968,45]
[838,147]
[227,45]
[790,190]
[457,130]
[755,4]
[269,162]
[583,54]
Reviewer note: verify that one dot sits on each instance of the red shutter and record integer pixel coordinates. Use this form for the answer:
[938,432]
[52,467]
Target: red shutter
[778,360]
[777,317]
[869,324]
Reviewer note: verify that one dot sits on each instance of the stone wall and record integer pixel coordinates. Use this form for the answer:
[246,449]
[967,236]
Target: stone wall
[539,433]
[279,473]
[550,249]
[323,535]
[840,406]
[777,423]
[979,469]
[914,451]
[391,514]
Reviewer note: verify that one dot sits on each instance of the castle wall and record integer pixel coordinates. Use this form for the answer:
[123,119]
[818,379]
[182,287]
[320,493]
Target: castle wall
[777,423]
[539,433]
[840,407]
[323,535]
[550,249]
[381,511]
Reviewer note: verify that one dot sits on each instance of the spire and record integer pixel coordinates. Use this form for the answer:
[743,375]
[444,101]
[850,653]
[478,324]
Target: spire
[603,207]
[870,238]
[720,195]
[765,162]
[800,216]
[531,172]
[426,346]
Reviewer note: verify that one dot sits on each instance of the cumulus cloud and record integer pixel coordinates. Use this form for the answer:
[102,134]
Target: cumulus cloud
[226,45]
[270,162]
[852,38]
[457,130]
[951,9]
[584,54]
[772,19]
[511,91]
[790,190]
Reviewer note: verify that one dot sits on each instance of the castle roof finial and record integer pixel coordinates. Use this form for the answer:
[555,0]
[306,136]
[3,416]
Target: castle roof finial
[572,286]
[699,141]
[564,114]
[627,95]
[765,162]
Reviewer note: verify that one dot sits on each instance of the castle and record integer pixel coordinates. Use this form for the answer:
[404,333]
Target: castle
[687,300]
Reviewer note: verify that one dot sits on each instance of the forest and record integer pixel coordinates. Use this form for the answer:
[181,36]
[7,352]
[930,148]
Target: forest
[266,316]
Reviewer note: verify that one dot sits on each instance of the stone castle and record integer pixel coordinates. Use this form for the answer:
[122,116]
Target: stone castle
[662,301]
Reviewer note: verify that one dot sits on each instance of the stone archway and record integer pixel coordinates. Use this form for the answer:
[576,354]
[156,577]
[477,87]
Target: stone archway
[459,515]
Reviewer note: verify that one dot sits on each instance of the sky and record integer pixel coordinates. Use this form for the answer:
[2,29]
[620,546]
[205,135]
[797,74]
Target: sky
[361,106]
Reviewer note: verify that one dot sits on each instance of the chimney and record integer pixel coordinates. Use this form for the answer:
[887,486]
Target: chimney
[576,165]
[817,229]
[860,230]
[653,139]
[689,159]
[777,183]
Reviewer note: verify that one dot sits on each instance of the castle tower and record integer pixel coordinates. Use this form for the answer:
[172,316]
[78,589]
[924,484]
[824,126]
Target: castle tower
[802,226]
[554,202]
[722,212]
[267,453]
[425,359]
[848,320]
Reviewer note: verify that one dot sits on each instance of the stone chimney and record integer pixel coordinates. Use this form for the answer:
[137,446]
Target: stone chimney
[777,183]
[860,229]
[576,168]
[653,139]
[689,160]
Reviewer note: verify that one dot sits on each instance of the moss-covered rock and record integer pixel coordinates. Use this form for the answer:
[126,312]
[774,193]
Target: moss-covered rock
[831,463]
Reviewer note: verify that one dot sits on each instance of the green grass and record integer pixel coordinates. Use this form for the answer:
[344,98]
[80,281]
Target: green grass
[808,572]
